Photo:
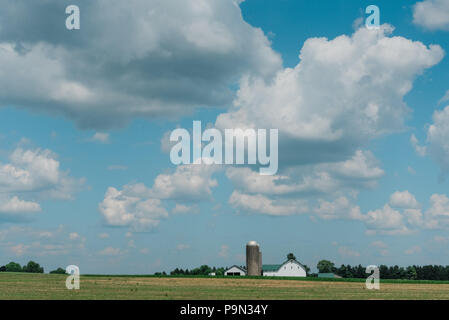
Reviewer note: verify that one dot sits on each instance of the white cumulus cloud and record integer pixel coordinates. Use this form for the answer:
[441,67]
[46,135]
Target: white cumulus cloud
[144,58]
[432,14]
[350,84]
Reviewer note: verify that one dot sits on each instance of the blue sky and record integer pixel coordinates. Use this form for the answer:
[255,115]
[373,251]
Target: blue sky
[85,171]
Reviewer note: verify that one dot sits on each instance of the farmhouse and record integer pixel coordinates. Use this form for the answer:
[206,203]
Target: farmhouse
[254,266]
[235,271]
[290,268]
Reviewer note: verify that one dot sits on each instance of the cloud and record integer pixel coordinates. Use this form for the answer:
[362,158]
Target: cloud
[413,250]
[103,236]
[110,251]
[74,236]
[253,182]
[181,208]
[156,60]
[260,204]
[326,184]
[224,251]
[340,86]
[437,216]
[100,137]
[362,166]
[398,217]
[141,208]
[421,150]
[438,139]
[38,243]
[19,249]
[441,239]
[188,183]
[341,208]
[166,144]
[432,14]
[290,193]
[31,175]
[46,234]
[403,199]
[15,205]
[182,247]
[386,221]
[131,243]
[129,207]
[36,171]
[402,215]
[444,98]
[381,246]
[359,171]
[347,252]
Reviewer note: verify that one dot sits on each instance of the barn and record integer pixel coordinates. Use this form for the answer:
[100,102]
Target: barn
[235,271]
[290,268]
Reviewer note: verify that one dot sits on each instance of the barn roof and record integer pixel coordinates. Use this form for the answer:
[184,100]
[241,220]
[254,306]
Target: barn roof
[271,267]
[276,267]
[328,275]
[235,266]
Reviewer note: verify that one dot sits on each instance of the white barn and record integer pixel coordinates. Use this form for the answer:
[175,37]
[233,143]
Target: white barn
[290,268]
[235,271]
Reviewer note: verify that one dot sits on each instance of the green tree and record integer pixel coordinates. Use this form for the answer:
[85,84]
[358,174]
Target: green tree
[307,269]
[325,266]
[13,267]
[33,267]
[2,269]
[291,256]
[341,271]
[58,271]
[411,273]
[220,271]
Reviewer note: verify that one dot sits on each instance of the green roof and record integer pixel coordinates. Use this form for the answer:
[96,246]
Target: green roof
[276,267]
[271,267]
[326,275]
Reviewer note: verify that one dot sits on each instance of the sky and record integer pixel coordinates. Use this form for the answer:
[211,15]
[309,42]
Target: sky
[86,116]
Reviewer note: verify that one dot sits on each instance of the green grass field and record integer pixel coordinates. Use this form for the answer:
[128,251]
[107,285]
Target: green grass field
[45,286]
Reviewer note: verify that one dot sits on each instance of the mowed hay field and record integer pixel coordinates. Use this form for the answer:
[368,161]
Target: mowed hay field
[45,286]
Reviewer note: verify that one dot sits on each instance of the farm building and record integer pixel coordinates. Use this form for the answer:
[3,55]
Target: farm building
[235,271]
[328,275]
[254,267]
[290,268]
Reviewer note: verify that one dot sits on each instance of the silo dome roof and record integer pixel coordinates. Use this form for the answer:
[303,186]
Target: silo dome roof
[252,243]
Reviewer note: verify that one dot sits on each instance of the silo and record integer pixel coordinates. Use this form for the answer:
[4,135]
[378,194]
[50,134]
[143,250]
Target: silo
[253,259]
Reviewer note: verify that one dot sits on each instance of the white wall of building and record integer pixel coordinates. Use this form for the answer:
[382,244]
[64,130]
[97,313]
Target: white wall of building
[289,269]
[233,271]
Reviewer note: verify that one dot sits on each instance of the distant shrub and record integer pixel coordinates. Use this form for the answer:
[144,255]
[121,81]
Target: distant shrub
[33,267]
[13,267]
[58,271]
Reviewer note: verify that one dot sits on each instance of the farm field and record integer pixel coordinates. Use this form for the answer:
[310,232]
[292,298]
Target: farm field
[45,286]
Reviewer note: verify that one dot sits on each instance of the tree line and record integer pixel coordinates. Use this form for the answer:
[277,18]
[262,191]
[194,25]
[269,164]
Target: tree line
[203,270]
[30,267]
[428,272]
[414,272]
